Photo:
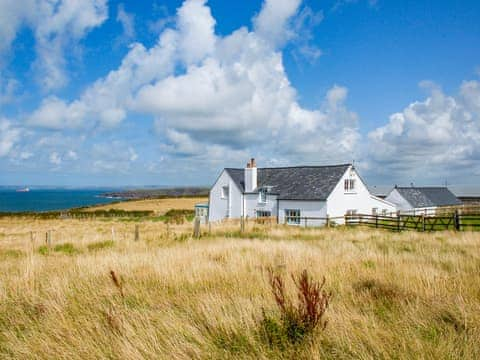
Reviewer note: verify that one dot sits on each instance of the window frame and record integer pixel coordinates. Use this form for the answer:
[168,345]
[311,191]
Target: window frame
[293,219]
[263,214]
[262,196]
[225,192]
[349,185]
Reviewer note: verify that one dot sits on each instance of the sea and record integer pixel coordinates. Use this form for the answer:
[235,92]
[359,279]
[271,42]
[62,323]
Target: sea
[50,199]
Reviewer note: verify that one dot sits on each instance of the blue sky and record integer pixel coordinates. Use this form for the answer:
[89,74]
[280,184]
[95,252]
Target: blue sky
[169,92]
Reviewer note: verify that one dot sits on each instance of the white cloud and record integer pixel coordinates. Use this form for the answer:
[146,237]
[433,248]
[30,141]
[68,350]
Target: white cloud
[196,31]
[114,156]
[273,22]
[128,23]
[72,155]
[9,136]
[57,25]
[432,137]
[55,158]
[233,93]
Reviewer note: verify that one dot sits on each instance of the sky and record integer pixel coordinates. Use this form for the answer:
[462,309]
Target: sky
[117,93]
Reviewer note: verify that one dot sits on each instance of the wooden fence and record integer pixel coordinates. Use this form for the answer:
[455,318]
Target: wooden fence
[455,221]
[448,221]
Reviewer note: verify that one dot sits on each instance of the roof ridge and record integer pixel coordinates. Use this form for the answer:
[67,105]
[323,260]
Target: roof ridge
[421,187]
[294,167]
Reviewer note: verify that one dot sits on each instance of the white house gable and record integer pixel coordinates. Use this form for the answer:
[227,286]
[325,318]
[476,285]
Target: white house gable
[351,195]
[225,199]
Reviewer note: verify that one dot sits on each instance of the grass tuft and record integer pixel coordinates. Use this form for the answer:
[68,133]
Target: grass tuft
[100,245]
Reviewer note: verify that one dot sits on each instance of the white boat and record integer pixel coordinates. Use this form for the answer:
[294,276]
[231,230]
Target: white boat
[26,189]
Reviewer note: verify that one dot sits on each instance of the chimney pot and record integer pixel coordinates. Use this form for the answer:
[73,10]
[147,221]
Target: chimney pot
[252,162]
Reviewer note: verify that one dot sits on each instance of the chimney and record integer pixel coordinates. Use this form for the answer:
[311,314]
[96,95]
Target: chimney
[250,176]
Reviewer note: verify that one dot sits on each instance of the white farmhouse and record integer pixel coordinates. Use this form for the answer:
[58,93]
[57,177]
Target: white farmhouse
[292,194]
[421,200]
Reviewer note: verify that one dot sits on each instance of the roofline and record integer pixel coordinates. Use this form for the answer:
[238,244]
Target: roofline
[296,199]
[293,167]
[422,187]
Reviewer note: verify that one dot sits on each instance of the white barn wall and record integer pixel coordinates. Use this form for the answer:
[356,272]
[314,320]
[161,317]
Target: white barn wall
[339,201]
[307,209]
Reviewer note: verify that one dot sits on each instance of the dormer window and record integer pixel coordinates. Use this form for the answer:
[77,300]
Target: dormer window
[349,185]
[262,195]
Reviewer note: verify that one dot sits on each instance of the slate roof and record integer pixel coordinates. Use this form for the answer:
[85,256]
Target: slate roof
[420,197]
[295,183]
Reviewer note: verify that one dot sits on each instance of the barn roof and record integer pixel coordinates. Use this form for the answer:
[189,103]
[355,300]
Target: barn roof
[420,197]
[295,183]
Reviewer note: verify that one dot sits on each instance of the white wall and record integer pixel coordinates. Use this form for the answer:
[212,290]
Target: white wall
[220,207]
[307,209]
[252,205]
[360,199]
[400,202]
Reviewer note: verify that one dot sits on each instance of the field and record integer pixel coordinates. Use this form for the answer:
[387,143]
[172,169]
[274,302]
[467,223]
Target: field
[394,295]
[159,206]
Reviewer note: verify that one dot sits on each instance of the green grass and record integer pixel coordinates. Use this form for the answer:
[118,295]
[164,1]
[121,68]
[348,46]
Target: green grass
[100,245]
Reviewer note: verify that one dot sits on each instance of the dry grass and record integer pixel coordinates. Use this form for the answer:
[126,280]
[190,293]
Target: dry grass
[409,295]
[160,206]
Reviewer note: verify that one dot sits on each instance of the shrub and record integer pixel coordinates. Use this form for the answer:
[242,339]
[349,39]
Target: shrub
[298,319]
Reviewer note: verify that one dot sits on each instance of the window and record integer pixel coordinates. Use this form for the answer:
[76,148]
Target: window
[263,213]
[262,196]
[349,185]
[292,216]
[224,192]
[351,212]
[374,211]
[384,212]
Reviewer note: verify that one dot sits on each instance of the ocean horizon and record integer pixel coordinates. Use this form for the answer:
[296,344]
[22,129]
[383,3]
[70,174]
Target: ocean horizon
[50,199]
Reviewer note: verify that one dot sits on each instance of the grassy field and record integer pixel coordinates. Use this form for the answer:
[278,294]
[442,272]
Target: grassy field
[159,206]
[402,296]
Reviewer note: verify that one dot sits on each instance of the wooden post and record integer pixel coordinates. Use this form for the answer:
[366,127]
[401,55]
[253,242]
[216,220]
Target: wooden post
[423,223]
[305,222]
[242,224]
[196,228]
[376,221]
[137,232]
[328,221]
[48,239]
[456,220]
[398,221]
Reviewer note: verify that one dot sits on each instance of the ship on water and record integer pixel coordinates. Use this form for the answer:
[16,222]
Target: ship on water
[25,189]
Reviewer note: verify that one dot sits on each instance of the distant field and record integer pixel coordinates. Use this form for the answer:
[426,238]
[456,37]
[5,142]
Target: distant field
[160,206]
[394,295]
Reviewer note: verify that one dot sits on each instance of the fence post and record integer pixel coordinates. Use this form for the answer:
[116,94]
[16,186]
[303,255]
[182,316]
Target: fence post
[328,221]
[398,221]
[48,239]
[305,222]
[456,220]
[137,232]
[196,228]
[242,224]
[376,221]
[423,223]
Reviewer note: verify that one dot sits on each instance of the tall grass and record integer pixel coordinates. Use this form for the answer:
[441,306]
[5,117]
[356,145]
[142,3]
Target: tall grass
[403,296]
